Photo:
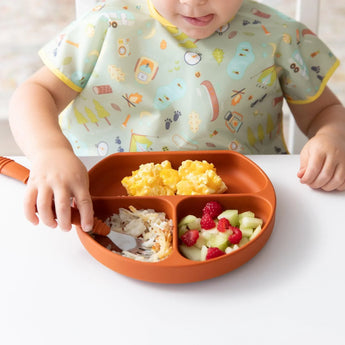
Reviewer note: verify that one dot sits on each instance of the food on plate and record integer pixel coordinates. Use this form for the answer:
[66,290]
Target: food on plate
[191,178]
[152,179]
[153,228]
[217,232]
[199,177]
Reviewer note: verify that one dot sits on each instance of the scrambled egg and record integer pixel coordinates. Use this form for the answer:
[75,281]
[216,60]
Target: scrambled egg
[152,179]
[199,177]
[192,177]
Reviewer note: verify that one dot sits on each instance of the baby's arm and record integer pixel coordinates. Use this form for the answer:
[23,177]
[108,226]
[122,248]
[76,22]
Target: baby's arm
[322,159]
[57,175]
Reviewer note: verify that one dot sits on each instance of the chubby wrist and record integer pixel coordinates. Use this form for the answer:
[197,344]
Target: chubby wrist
[328,122]
[333,129]
[52,149]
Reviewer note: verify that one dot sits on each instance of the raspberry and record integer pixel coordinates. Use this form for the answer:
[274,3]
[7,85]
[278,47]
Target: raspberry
[207,222]
[223,224]
[190,237]
[213,208]
[213,252]
[236,235]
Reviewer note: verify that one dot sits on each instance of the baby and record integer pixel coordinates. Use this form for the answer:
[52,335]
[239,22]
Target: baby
[137,75]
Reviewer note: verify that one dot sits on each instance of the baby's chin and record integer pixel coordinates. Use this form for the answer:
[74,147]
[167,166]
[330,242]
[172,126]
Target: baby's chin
[199,35]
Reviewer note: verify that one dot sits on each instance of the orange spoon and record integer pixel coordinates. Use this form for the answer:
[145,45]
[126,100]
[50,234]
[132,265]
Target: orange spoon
[17,171]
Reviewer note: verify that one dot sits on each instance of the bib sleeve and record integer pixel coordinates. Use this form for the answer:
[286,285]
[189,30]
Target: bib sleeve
[73,53]
[305,64]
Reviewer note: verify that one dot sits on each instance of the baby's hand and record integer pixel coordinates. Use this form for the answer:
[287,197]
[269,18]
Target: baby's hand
[322,163]
[57,178]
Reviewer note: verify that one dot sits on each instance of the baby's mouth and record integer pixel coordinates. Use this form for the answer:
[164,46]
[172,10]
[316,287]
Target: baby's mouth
[199,21]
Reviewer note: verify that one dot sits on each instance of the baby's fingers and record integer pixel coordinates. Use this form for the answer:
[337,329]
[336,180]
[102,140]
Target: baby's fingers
[62,201]
[44,205]
[342,187]
[30,206]
[311,166]
[322,174]
[337,182]
[85,207]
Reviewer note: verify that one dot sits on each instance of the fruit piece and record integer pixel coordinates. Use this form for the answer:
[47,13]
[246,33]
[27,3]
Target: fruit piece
[219,241]
[223,224]
[201,241]
[244,240]
[182,229]
[190,237]
[228,250]
[203,253]
[255,232]
[236,235]
[246,232]
[246,214]
[213,253]
[250,222]
[207,234]
[190,221]
[191,253]
[207,222]
[213,208]
[231,216]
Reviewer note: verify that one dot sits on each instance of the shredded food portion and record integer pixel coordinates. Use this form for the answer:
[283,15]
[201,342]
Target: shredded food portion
[152,227]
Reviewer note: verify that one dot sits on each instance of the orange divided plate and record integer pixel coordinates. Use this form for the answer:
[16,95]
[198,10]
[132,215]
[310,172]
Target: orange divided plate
[248,189]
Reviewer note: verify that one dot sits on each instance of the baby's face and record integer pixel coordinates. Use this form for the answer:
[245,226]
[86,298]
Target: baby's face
[198,18]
